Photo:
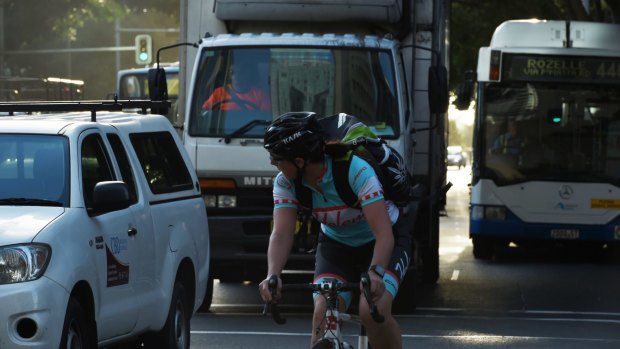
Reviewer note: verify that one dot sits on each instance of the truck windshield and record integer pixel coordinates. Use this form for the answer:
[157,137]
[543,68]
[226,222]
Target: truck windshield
[550,132]
[34,170]
[236,86]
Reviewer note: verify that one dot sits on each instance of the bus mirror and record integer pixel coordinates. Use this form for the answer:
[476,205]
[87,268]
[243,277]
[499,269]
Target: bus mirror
[158,88]
[565,110]
[465,91]
[438,89]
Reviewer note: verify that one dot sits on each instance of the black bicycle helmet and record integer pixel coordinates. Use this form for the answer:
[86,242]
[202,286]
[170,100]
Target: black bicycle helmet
[295,134]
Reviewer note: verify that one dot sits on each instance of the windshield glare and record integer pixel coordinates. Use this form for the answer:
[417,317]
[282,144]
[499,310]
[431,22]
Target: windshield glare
[239,85]
[34,167]
[543,131]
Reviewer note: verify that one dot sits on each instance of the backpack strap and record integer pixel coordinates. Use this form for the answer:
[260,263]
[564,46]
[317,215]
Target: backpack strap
[304,215]
[340,173]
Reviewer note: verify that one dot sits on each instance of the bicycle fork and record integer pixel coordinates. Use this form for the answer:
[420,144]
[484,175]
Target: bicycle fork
[332,331]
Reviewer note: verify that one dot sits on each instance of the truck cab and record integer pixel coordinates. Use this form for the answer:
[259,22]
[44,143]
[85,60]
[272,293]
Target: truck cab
[325,57]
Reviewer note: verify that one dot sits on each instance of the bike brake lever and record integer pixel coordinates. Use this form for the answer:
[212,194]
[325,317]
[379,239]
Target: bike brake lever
[275,311]
[374,312]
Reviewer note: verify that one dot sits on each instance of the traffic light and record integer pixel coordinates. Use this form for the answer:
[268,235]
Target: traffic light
[144,49]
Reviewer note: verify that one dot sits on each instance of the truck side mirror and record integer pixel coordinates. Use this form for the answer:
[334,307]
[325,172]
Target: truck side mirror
[438,99]
[109,196]
[158,88]
[465,91]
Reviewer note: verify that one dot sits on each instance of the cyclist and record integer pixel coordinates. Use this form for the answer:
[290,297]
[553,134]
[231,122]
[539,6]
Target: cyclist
[351,240]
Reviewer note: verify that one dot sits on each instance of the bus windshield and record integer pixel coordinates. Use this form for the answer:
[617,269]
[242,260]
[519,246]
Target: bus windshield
[242,86]
[547,131]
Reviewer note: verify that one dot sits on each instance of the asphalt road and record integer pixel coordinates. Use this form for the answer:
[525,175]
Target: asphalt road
[534,298]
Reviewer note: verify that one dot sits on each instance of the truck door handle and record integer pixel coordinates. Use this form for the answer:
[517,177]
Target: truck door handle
[132,231]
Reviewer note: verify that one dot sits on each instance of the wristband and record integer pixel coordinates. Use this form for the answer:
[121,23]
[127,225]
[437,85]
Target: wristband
[377,269]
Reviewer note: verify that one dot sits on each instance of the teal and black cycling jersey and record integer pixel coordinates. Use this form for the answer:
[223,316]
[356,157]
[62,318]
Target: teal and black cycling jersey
[338,221]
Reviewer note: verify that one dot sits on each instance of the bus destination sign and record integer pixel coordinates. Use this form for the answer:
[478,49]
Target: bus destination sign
[565,68]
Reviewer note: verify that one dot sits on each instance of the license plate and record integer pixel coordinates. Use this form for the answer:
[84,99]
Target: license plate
[565,233]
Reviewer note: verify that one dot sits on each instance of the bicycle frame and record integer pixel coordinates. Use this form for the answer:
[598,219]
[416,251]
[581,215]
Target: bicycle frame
[332,336]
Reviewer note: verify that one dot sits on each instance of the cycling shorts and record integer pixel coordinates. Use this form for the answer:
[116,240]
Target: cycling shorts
[346,263]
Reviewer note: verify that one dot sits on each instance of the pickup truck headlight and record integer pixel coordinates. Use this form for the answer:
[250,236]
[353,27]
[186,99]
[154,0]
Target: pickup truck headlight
[19,263]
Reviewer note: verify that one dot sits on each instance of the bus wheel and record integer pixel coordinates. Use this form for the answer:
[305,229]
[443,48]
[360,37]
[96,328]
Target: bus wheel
[429,272]
[483,247]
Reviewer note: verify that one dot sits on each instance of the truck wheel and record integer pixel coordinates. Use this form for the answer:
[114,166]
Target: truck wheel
[78,331]
[206,303]
[483,247]
[405,301]
[175,334]
[429,270]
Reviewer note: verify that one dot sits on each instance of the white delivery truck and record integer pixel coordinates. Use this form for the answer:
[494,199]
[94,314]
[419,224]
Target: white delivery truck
[382,61]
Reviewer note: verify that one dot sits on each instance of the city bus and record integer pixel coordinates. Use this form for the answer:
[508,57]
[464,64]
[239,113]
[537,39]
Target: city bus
[546,148]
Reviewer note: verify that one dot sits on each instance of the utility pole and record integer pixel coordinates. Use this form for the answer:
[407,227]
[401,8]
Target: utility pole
[2,72]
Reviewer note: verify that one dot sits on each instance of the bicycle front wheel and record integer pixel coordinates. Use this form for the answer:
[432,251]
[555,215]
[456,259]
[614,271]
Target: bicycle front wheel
[327,343]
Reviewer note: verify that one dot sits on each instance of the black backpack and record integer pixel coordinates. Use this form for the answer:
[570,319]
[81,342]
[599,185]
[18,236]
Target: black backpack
[387,163]
[359,140]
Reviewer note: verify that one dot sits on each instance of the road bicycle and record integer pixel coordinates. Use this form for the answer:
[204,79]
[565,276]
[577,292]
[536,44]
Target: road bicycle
[329,288]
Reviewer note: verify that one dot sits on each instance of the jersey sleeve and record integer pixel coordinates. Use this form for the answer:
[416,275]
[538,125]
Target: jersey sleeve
[364,181]
[283,192]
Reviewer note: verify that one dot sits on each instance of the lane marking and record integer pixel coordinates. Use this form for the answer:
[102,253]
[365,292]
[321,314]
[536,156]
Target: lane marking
[466,337]
[448,312]
[455,275]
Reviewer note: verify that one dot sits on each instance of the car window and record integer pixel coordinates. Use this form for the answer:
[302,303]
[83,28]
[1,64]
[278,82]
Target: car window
[34,167]
[161,162]
[123,162]
[95,166]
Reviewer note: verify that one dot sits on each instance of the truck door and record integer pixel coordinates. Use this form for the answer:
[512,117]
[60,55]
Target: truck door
[116,248]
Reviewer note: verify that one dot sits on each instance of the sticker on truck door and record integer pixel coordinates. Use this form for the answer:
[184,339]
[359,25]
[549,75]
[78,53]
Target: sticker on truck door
[117,271]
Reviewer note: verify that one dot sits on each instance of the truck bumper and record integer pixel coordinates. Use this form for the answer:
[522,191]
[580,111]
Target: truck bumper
[239,248]
[33,314]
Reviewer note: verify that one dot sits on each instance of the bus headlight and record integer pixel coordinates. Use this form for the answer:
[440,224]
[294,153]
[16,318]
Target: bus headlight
[495,212]
[479,212]
[19,263]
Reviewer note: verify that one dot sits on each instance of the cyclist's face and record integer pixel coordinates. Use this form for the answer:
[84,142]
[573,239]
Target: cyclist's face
[286,166]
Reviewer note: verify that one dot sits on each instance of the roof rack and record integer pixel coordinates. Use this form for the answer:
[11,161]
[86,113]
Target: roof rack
[92,106]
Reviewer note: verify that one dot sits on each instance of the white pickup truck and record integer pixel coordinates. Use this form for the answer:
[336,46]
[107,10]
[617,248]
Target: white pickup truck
[103,230]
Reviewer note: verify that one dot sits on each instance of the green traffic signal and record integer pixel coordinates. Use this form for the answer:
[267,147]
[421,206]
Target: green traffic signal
[144,49]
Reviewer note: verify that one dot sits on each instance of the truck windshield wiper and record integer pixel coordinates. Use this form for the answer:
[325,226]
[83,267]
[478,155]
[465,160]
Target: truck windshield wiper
[245,128]
[29,202]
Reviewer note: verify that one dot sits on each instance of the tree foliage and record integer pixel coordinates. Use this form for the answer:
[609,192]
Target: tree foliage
[57,24]
[80,24]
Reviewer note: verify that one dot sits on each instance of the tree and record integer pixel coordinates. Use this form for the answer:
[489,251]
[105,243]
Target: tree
[62,24]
